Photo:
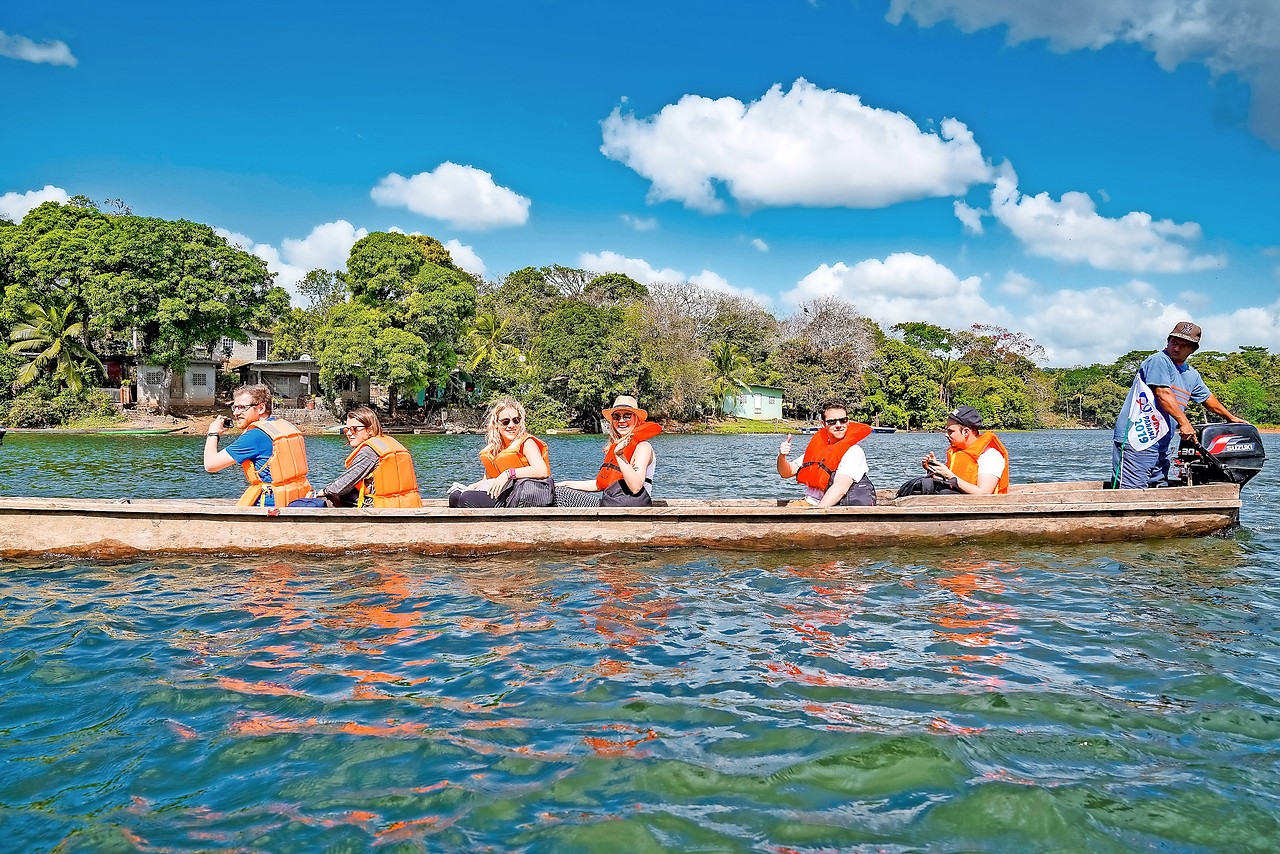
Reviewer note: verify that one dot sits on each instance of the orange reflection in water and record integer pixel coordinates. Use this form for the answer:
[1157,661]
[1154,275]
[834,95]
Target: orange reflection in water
[627,615]
[968,621]
[836,603]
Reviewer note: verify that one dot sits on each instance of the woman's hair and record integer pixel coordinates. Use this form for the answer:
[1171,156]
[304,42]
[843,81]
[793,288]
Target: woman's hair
[367,417]
[494,443]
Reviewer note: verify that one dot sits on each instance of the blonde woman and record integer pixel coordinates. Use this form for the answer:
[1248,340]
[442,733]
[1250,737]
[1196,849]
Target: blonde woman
[516,465]
[625,478]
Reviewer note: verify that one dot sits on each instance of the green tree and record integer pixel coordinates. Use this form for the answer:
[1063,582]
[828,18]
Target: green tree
[392,275]
[613,288]
[902,384]
[53,339]
[155,287]
[490,340]
[584,356]
[727,368]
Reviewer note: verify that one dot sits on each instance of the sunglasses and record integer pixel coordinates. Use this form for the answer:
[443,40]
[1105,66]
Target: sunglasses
[836,422]
[506,422]
[352,429]
[622,416]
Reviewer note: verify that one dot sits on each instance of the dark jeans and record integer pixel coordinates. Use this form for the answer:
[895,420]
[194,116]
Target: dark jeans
[521,492]
[1140,469]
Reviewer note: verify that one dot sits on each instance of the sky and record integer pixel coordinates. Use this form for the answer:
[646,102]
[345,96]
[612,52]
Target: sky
[1086,173]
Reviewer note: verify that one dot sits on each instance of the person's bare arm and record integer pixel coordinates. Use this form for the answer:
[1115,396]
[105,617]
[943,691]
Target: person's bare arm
[786,468]
[215,460]
[1218,408]
[840,485]
[1169,405]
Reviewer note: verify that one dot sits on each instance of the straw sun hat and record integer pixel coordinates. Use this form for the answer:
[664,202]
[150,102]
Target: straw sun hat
[626,402]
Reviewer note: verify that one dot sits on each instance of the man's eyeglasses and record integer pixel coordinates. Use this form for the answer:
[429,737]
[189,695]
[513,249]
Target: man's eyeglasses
[352,429]
[241,407]
[622,416]
[507,422]
[835,422]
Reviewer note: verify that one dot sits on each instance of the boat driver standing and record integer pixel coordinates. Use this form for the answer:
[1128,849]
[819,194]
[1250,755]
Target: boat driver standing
[1174,384]
[977,463]
[833,469]
[271,450]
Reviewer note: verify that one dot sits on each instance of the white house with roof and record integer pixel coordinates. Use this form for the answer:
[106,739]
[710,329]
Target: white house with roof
[759,402]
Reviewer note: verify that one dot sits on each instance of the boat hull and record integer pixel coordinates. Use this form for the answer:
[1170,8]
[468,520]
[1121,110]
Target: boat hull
[1036,513]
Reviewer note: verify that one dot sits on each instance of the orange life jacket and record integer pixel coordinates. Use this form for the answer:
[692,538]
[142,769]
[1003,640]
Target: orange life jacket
[609,472]
[963,462]
[822,456]
[393,482]
[287,466]
[512,457]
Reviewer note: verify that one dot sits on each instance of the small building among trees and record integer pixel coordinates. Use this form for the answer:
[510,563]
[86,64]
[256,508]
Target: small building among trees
[759,402]
[192,389]
[295,381]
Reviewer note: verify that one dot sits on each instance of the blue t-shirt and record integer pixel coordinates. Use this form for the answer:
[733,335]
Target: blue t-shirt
[1158,370]
[256,447]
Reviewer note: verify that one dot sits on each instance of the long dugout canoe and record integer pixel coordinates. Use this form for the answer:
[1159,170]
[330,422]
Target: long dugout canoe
[1031,513]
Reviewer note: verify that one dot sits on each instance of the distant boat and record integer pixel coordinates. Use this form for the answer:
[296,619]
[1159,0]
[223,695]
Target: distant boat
[139,431]
[809,429]
[884,429]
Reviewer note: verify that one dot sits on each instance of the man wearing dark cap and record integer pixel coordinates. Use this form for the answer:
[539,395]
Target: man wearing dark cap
[1143,435]
[977,463]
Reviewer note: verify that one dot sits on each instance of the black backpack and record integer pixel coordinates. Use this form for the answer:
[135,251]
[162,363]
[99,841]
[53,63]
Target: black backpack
[925,485]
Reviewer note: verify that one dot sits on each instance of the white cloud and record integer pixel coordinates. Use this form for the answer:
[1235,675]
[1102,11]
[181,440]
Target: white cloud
[463,196]
[759,244]
[1017,285]
[465,257]
[903,287]
[640,223]
[808,146]
[636,268]
[642,271]
[326,247]
[23,48]
[1227,36]
[1072,230]
[1098,325]
[14,206]
[970,217]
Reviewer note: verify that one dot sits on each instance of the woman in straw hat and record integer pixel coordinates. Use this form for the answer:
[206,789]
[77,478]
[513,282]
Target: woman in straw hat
[517,467]
[626,476]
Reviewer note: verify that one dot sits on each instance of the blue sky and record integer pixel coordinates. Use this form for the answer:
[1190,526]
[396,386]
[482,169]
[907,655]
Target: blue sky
[1087,173]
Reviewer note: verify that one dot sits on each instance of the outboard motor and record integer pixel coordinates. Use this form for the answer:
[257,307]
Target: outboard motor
[1224,453]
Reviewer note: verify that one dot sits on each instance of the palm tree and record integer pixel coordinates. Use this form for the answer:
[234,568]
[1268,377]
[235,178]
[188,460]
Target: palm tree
[952,374]
[54,341]
[727,366]
[490,339]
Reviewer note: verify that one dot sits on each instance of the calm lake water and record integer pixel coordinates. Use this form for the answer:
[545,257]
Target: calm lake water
[1082,698]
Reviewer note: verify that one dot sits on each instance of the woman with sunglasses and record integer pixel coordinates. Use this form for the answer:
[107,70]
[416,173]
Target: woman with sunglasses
[516,465]
[626,477]
[834,469]
[379,471]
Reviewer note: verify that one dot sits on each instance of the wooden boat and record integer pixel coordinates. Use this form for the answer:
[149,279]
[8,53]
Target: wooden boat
[138,431]
[1030,513]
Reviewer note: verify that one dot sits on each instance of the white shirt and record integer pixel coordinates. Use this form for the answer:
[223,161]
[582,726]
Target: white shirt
[990,462]
[853,465]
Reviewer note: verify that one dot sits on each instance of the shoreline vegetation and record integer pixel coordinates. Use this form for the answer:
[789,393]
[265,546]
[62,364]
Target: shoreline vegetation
[91,294]
[195,424]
